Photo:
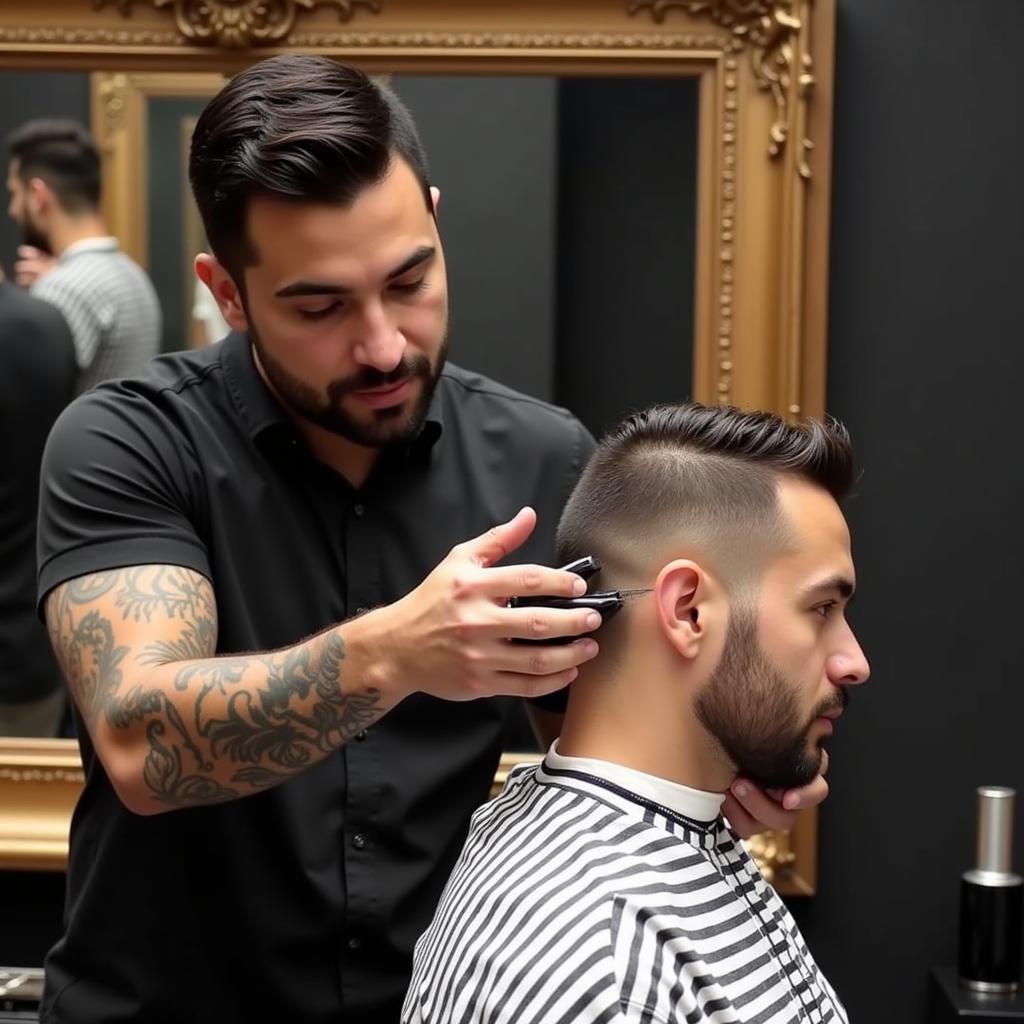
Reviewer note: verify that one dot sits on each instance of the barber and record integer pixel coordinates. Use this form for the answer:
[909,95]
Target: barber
[263,836]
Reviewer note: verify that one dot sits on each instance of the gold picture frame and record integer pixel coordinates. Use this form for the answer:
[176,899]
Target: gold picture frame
[764,72]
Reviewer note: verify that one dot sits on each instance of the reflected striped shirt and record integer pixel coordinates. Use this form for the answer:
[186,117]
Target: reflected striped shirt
[588,893]
[110,306]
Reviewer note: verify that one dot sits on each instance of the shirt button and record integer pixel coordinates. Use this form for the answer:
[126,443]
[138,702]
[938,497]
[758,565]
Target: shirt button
[361,735]
[355,942]
[359,841]
[362,610]
[358,510]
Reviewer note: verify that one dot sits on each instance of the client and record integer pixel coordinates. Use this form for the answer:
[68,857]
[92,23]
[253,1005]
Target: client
[604,885]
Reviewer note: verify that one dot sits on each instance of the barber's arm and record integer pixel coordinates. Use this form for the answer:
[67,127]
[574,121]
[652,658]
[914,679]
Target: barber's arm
[175,726]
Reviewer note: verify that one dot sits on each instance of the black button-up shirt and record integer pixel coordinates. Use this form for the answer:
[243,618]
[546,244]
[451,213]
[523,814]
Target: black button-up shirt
[300,904]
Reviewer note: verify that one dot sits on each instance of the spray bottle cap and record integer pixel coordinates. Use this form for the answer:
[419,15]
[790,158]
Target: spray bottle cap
[995,829]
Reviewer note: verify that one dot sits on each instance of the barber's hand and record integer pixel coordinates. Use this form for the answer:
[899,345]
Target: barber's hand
[450,636]
[31,265]
[751,810]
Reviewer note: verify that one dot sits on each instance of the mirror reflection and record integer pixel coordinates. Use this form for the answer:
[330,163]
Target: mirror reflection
[569,239]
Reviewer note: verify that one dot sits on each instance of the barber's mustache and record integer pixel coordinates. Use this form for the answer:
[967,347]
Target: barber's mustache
[371,377]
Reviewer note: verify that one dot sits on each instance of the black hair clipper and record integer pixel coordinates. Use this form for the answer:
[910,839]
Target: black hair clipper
[605,602]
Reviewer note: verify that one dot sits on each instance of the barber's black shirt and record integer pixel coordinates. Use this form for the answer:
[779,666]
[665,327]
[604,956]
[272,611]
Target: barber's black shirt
[300,904]
[37,379]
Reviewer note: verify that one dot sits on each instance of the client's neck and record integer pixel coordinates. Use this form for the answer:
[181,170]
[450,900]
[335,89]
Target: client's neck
[626,719]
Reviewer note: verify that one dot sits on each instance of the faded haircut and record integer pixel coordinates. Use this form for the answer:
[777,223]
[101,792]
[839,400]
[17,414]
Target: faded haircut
[679,480]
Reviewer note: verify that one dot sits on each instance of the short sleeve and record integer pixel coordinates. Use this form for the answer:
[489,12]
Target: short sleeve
[584,447]
[119,485]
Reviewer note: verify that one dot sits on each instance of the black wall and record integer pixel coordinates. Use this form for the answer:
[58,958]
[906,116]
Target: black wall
[498,217]
[23,96]
[570,249]
[926,364]
[627,245]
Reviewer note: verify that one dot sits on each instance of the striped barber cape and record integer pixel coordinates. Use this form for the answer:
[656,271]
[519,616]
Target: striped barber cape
[588,892]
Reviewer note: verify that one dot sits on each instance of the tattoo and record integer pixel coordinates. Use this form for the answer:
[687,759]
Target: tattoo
[88,655]
[173,591]
[225,726]
[163,774]
[87,588]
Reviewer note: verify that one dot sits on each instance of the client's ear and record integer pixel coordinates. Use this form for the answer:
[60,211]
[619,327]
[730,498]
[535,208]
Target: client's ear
[681,598]
[214,275]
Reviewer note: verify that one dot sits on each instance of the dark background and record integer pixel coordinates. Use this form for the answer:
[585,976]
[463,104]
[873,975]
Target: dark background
[925,360]
[925,366]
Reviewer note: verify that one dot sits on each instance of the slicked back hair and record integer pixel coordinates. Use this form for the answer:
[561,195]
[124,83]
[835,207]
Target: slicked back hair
[699,475]
[297,128]
[63,154]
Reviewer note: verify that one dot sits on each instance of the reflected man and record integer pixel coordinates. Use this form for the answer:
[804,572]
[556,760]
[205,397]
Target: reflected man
[105,297]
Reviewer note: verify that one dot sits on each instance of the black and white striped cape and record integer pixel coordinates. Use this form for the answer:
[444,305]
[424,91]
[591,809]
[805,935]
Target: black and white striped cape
[578,900]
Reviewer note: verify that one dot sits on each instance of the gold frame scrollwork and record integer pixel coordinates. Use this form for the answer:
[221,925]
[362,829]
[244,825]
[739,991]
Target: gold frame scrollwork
[239,23]
[764,75]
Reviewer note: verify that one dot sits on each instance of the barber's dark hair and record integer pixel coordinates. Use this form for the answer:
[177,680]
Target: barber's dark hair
[713,468]
[63,154]
[298,128]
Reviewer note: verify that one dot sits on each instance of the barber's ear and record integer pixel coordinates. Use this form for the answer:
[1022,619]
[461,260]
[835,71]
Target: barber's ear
[435,197]
[680,593]
[211,272]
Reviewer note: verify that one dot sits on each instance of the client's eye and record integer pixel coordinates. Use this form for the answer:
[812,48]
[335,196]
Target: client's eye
[826,609]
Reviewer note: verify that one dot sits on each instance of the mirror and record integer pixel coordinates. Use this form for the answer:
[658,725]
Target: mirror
[646,172]
[549,241]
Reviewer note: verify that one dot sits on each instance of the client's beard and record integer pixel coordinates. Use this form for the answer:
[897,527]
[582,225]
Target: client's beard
[753,712]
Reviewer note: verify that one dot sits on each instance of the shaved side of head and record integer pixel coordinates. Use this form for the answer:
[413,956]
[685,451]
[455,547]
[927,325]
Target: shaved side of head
[698,482]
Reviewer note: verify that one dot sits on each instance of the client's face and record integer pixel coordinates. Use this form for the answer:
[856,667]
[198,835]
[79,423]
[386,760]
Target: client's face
[783,677]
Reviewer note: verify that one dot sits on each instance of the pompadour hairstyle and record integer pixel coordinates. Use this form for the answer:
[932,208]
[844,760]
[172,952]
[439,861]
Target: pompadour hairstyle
[298,128]
[63,154]
[705,474]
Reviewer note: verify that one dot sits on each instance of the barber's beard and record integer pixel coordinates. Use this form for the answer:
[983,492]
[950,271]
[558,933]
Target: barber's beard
[383,428]
[753,712]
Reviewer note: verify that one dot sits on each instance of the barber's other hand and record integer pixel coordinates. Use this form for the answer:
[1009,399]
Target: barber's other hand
[751,810]
[450,636]
[31,265]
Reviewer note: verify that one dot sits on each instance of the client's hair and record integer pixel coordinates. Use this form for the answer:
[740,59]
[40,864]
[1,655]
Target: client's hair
[63,154]
[705,477]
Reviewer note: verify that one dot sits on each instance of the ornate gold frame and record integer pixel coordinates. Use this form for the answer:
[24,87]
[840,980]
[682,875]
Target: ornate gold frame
[119,121]
[764,71]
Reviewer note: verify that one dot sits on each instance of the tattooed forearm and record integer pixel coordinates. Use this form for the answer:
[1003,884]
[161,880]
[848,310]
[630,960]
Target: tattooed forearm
[137,647]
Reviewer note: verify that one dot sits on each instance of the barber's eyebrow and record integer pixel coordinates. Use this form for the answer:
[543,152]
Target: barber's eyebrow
[306,288]
[837,584]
